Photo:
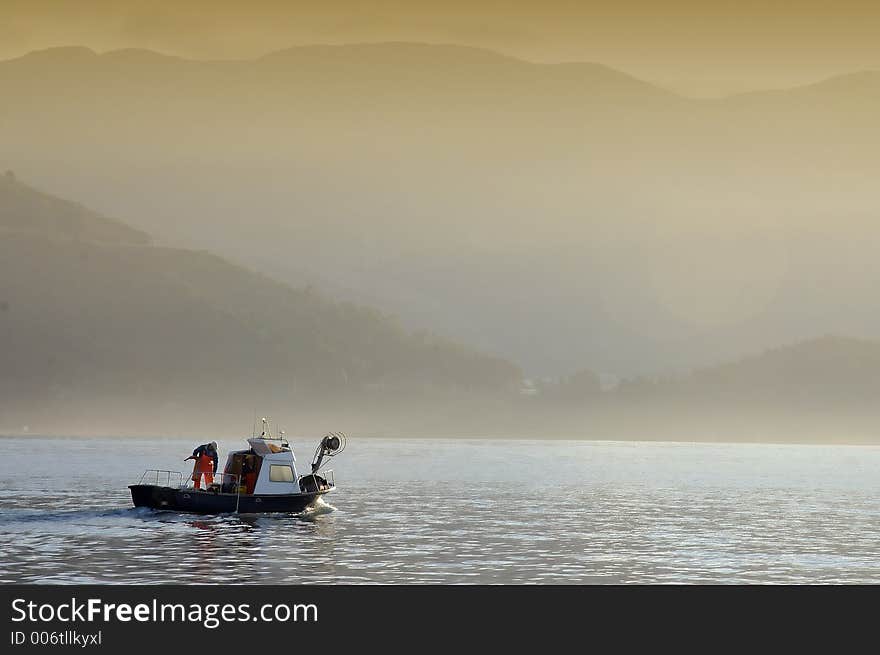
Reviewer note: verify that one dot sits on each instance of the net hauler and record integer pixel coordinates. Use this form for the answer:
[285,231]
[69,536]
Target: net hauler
[261,479]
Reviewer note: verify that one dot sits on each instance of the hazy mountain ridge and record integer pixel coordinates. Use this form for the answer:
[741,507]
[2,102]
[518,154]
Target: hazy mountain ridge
[93,327]
[102,334]
[863,82]
[24,211]
[819,390]
[432,61]
[431,58]
[451,183]
[831,368]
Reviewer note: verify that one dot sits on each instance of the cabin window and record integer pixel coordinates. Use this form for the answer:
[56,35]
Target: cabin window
[278,473]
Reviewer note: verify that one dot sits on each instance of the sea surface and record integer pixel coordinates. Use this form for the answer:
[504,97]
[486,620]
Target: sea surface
[458,511]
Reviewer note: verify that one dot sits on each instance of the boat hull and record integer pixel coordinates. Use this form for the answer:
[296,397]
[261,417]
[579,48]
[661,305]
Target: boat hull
[209,502]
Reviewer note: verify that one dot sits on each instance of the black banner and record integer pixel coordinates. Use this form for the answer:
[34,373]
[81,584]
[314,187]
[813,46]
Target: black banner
[119,619]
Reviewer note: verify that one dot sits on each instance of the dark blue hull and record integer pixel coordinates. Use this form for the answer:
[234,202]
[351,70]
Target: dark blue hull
[209,502]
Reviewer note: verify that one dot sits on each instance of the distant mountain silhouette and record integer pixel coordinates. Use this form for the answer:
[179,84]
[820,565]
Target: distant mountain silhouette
[822,389]
[828,369]
[100,328]
[427,63]
[865,82]
[104,332]
[25,211]
[502,202]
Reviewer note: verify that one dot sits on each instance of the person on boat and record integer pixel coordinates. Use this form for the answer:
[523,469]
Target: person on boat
[205,457]
[249,473]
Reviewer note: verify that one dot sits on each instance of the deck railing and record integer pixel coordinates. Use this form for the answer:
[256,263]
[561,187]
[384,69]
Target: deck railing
[308,483]
[158,476]
[328,476]
[229,483]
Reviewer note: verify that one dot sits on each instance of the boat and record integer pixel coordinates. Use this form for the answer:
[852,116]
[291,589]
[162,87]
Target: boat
[261,479]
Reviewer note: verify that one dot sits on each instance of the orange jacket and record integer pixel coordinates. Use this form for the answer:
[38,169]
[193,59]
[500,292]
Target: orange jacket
[205,464]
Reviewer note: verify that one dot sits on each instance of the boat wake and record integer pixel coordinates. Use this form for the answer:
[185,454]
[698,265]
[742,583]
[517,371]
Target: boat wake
[61,515]
[319,509]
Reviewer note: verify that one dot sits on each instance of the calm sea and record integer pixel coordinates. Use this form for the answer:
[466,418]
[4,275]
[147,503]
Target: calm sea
[458,511]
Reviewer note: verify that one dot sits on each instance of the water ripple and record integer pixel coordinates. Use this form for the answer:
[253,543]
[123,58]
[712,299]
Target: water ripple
[463,512]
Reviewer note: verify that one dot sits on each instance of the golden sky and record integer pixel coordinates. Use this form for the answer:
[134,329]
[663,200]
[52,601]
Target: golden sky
[699,47]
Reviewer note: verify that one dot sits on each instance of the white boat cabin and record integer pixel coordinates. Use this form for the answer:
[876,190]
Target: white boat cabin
[268,467]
